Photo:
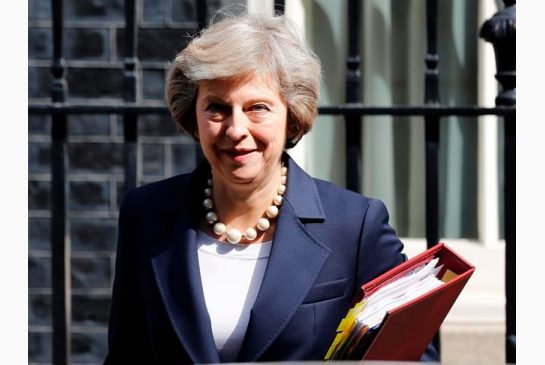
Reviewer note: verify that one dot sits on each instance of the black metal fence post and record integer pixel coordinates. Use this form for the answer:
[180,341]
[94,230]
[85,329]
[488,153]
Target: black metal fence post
[202,14]
[500,30]
[202,19]
[60,236]
[431,122]
[279,6]
[431,96]
[353,96]
[130,81]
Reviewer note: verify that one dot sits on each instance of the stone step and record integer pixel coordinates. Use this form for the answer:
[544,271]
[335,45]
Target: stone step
[473,343]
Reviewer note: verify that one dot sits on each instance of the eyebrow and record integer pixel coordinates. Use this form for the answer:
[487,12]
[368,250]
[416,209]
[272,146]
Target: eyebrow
[214,98]
[219,99]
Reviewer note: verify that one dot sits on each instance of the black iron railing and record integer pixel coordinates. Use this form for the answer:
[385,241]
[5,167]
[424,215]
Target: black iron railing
[60,235]
[500,31]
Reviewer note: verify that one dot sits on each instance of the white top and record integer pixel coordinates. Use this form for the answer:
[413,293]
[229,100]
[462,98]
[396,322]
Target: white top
[231,277]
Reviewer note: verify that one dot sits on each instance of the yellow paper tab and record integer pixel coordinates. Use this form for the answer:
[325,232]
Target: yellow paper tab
[448,276]
[344,328]
[333,347]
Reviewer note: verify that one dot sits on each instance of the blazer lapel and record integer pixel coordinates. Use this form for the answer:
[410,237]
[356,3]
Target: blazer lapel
[294,264]
[176,269]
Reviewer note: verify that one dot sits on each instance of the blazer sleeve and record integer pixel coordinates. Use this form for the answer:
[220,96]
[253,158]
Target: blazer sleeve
[381,250]
[128,341]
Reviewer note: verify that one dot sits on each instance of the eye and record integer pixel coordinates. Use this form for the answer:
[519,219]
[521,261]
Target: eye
[217,108]
[259,107]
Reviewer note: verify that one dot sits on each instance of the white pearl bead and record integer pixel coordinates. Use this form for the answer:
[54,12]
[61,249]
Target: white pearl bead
[219,228]
[250,234]
[234,236]
[211,217]
[272,211]
[263,224]
[208,203]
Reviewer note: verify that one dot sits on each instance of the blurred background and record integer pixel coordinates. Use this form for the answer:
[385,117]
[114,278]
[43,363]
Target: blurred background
[392,42]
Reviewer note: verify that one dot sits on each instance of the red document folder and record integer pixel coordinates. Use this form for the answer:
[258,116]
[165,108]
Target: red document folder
[406,331]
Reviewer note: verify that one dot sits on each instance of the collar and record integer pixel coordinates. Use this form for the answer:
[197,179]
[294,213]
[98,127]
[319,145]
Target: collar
[302,193]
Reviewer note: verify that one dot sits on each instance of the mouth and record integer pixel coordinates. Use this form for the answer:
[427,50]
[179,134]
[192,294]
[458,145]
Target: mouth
[238,154]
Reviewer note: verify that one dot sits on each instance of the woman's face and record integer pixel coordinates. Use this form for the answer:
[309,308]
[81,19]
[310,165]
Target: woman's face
[242,128]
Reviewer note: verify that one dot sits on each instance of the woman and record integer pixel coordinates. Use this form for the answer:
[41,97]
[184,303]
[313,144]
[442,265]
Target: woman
[247,258]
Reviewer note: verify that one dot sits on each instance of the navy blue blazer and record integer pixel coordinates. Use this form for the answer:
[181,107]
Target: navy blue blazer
[328,242]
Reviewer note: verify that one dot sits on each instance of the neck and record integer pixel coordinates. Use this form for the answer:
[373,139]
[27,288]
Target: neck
[240,206]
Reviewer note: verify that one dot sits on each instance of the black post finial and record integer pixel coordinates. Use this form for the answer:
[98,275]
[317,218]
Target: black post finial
[500,30]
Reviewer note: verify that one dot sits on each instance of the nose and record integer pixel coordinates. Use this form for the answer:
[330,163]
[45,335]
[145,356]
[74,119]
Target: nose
[237,125]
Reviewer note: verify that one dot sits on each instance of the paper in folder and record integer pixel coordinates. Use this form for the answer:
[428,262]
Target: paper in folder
[395,316]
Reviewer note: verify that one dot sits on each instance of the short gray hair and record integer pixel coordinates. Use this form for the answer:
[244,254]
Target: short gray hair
[239,45]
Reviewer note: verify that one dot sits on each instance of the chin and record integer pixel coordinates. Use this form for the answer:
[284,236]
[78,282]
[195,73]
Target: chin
[243,178]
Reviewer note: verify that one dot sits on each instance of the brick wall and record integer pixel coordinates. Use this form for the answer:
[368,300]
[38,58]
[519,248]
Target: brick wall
[93,50]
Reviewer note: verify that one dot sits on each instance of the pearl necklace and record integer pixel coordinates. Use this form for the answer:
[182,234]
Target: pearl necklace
[234,235]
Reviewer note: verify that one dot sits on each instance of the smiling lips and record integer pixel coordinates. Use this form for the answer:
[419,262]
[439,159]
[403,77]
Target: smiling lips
[238,154]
